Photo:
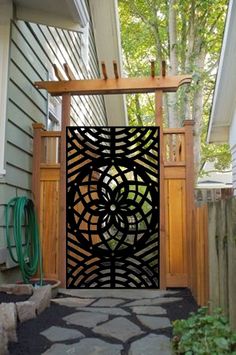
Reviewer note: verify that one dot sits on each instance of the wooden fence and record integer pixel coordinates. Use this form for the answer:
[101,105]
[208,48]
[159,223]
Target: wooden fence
[178,203]
[222,256]
[199,283]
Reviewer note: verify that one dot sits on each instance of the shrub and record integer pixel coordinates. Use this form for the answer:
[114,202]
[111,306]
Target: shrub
[204,334]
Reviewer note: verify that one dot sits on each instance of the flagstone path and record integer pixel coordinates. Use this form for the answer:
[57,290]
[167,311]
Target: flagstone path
[112,322]
[105,322]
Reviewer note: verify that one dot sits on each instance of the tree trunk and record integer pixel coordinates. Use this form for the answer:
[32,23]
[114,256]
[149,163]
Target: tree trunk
[138,110]
[197,113]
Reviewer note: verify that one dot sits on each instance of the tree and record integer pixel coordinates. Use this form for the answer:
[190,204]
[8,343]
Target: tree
[187,34]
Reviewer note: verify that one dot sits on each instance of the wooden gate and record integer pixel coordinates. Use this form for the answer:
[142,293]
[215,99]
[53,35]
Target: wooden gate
[178,177]
[116,85]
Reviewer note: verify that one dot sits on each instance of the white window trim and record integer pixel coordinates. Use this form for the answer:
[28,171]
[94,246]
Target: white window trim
[5,30]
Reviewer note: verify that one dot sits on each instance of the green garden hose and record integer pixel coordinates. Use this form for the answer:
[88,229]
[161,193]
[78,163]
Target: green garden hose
[26,237]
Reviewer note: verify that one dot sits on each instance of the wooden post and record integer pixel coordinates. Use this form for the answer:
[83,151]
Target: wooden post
[162,256]
[65,121]
[188,126]
[37,127]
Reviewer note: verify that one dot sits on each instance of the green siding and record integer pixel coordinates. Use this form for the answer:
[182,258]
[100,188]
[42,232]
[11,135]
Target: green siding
[34,48]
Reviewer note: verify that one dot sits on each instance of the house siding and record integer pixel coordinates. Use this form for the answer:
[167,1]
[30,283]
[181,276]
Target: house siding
[33,50]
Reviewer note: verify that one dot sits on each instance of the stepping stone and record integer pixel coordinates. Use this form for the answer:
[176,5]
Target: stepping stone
[108,302]
[150,345]
[131,294]
[86,319]
[152,310]
[153,301]
[154,322]
[73,301]
[112,311]
[88,346]
[119,328]
[61,334]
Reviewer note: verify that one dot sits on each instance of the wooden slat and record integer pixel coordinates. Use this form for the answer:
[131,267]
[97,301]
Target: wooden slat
[50,174]
[114,86]
[58,73]
[70,75]
[37,127]
[51,134]
[152,68]
[49,225]
[173,172]
[174,130]
[163,68]
[66,102]
[115,67]
[104,71]
[188,125]
[162,257]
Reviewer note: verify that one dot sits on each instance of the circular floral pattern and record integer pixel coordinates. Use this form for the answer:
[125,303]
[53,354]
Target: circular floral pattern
[113,206]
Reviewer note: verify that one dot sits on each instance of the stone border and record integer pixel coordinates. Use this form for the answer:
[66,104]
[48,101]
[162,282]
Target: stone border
[21,311]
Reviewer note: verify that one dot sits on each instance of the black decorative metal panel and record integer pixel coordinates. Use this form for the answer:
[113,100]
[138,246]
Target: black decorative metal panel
[113,207]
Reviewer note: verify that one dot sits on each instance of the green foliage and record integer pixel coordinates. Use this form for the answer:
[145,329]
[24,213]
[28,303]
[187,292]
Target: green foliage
[199,31]
[204,334]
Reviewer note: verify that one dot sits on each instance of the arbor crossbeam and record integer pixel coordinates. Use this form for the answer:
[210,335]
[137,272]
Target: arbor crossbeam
[114,86]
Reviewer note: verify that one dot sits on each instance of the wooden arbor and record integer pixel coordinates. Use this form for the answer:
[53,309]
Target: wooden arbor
[116,85]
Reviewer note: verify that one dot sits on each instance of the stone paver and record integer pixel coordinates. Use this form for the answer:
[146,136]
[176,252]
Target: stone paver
[8,319]
[154,322]
[109,293]
[41,297]
[73,301]
[61,334]
[153,301]
[25,310]
[117,321]
[86,319]
[152,310]
[21,289]
[150,345]
[108,302]
[108,310]
[118,328]
[88,346]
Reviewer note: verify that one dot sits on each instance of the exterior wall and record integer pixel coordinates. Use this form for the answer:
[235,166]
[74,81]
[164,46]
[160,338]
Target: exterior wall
[33,50]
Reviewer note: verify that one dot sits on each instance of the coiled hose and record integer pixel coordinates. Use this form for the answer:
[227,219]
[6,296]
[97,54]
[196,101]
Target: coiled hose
[26,237]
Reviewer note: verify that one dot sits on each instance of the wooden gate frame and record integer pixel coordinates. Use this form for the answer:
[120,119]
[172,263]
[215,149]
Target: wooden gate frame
[106,86]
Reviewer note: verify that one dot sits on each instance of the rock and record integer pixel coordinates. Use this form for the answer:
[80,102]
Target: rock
[17,289]
[109,310]
[86,319]
[153,301]
[3,341]
[119,328]
[41,297]
[8,320]
[154,322]
[108,302]
[88,346]
[108,293]
[54,334]
[73,301]
[152,310]
[25,310]
[150,345]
